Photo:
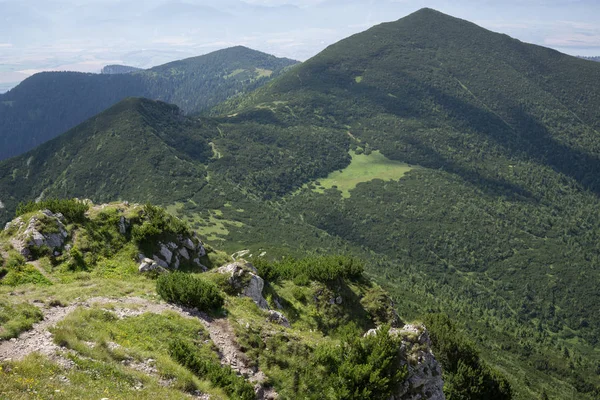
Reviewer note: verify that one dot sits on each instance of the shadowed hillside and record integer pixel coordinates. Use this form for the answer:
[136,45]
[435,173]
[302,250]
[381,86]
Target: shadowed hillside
[50,103]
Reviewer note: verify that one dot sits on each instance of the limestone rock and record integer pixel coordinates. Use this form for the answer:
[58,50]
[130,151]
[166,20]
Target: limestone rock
[199,264]
[189,244]
[166,253]
[278,304]
[424,372]
[160,262]
[244,278]
[278,318]
[123,225]
[201,250]
[44,229]
[149,265]
[184,253]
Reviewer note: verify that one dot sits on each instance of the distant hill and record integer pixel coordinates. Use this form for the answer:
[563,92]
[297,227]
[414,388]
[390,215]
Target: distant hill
[118,69]
[591,58]
[461,163]
[49,103]
[157,157]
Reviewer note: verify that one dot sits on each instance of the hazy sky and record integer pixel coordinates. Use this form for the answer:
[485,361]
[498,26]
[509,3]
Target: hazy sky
[84,35]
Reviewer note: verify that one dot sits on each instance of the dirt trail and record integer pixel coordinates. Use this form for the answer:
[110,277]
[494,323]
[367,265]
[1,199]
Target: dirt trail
[39,339]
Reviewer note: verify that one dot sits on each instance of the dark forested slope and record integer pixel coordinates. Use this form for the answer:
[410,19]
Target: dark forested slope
[138,149]
[50,103]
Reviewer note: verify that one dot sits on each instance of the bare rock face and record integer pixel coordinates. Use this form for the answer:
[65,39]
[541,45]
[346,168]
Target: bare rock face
[278,318]
[43,230]
[425,374]
[244,278]
[149,265]
[424,380]
[172,255]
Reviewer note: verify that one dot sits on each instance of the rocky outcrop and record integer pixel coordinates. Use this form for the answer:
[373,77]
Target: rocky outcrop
[149,265]
[243,277]
[171,255]
[278,318]
[424,380]
[44,230]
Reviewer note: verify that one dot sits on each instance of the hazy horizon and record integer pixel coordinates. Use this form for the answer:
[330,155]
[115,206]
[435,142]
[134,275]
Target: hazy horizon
[85,35]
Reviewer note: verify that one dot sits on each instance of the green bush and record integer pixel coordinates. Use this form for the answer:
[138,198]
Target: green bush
[189,356]
[16,318]
[73,210]
[157,225]
[466,376]
[21,275]
[362,367]
[322,269]
[355,368]
[190,291]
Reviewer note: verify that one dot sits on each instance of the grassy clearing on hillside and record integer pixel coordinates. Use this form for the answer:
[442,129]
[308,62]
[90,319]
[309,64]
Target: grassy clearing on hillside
[211,227]
[263,72]
[363,168]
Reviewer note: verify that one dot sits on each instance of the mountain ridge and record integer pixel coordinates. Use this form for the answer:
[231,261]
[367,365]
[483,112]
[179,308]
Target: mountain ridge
[50,103]
[496,223]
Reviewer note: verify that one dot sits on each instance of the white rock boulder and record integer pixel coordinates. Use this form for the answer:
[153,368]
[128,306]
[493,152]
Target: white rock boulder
[244,278]
[44,229]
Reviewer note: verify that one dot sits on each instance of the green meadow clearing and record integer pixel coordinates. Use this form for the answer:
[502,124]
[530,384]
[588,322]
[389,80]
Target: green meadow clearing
[363,168]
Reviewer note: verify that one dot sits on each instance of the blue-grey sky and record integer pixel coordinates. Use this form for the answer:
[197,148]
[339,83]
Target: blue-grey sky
[84,35]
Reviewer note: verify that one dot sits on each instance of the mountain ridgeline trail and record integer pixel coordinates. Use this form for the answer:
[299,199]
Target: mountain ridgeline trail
[39,339]
[459,163]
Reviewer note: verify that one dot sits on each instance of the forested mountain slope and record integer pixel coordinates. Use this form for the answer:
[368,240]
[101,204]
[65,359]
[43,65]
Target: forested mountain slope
[50,103]
[118,69]
[461,163]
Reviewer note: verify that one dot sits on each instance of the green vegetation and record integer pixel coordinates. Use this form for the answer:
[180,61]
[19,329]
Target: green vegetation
[109,342]
[361,368]
[363,168]
[190,357]
[498,227]
[158,225]
[73,210]
[114,348]
[16,318]
[466,376]
[21,275]
[355,368]
[50,103]
[190,291]
[318,269]
[37,376]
